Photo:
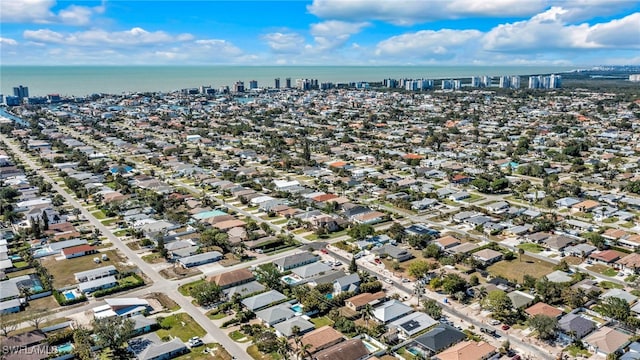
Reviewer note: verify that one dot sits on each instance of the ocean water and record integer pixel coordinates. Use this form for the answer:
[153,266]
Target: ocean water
[85,80]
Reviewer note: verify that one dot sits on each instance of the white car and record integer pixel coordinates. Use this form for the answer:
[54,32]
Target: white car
[195,341]
[388,281]
[494,322]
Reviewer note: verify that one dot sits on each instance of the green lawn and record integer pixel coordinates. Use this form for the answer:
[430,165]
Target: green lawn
[181,326]
[610,285]
[153,258]
[122,232]
[534,248]
[321,321]
[186,288]
[610,220]
[215,351]
[99,215]
[217,316]
[237,336]
[280,222]
[20,264]
[257,355]
[108,222]
[516,269]
[628,225]
[63,270]
[603,269]
[577,351]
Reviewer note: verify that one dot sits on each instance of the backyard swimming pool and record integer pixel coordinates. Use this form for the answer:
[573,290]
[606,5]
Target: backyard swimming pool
[64,348]
[69,295]
[370,346]
[289,280]
[297,308]
[329,296]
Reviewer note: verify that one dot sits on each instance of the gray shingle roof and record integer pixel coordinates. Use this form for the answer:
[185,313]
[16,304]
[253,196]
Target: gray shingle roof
[261,300]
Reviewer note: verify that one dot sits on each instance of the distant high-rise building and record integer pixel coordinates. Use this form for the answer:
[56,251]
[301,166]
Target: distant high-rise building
[545,82]
[515,82]
[21,92]
[13,101]
[253,84]
[53,98]
[634,77]
[1,98]
[287,83]
[451,85]
[276,83]
[238,86]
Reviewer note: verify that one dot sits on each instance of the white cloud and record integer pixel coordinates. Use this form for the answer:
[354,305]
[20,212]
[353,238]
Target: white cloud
[134,37]
[332,34]
[407,12]
[549,31]
[284,42]
[428,44]
[7,42]
[39,11]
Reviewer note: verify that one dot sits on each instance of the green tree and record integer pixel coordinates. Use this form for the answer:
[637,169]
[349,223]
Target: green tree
[419,268]
[206,293]
[615,308]
[432,308]
[453,283]
[544,325]
[432,251]
[498,303]
[269,275]
[353,267]
[114,332]
[361,231]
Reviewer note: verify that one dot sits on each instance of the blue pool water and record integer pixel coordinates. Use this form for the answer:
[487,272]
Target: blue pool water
[37,288]
[297,308]
[289,280]
[414,351]
[329,296]
[69,295]
[40,252]
[369,347]
[65,348]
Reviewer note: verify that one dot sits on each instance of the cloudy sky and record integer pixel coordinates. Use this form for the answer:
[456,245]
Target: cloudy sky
[320,32]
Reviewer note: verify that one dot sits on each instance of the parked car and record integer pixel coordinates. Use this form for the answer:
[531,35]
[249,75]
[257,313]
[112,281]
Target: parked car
[506,327]
[494,322]
[388,281]
[195,341]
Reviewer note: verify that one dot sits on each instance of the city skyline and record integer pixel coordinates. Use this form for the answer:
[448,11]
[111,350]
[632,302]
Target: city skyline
[320,32]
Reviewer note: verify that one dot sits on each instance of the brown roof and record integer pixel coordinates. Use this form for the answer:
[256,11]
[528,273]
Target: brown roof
[614,233]
[606,255]
[447,240]
[228,224]
[468,350]
[631,261]
[365,298]
[321,338]
[587,204]
[352,349]
[77,249]
[325,197]
[24,339]
[543,309]
[607,339]
[231,277]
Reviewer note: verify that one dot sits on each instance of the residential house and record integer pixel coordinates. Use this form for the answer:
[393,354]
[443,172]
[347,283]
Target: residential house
[349,283]
[487,256]
[574,327]
[245,289]
[411,324]
[606,340]
[606,256]
[295,260]
[520,299]
[200,259]
[285,328]
[620,294]
[580,250]
[543,309]
[498,207]
[321,338]
[390,311]
[261,301]
[558,242]
[232,278]
[33,343]
[629,264]
[275,314]
[98,284]
[150,347]
[352,349]
[439,338]
[447,242]
[312,270]
[78,251]
[459,196]
[559,276]
[359,301]
[93,274]
[394,252]
[468,350]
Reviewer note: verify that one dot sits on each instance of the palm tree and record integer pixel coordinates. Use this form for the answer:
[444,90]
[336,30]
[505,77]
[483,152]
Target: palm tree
[367,311]
[520,253]
[283,348]
[303,352]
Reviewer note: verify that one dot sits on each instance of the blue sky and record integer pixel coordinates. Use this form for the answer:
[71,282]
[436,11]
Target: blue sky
[320,32]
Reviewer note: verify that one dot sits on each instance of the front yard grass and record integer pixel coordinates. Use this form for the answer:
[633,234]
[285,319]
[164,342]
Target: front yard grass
[100,215]
[603,269]
[63,270]
[257,355]
[516,269]
[237,336]
[153,258]
[321,321]
[530,247]
[577,351]
[216,351]
[185,289]
[181,326]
